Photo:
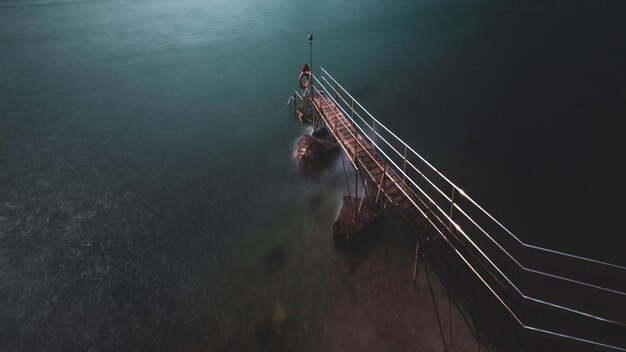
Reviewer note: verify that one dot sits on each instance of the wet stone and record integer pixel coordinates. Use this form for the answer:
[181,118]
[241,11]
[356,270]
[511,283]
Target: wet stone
[315,152]
[349,222]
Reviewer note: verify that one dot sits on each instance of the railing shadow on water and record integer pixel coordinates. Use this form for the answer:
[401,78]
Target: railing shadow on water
[521,276]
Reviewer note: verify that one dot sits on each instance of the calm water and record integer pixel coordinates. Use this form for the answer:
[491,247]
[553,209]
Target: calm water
[147,198]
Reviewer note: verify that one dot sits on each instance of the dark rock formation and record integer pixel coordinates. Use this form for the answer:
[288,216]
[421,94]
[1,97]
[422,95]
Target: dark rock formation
[349,223]
[316,151]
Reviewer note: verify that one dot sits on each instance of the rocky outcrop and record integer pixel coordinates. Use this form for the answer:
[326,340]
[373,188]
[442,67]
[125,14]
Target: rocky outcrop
[349,223]
[315,152]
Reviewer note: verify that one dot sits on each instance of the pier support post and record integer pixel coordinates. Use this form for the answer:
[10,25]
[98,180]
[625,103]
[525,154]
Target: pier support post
[417,251]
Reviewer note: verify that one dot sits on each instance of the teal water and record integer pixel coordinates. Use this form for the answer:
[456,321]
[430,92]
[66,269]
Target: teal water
[148,200]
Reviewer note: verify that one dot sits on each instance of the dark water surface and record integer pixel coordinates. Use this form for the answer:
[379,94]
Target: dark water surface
[147,198]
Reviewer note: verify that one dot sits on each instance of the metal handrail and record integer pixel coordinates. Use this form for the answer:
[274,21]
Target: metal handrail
[471,200]
[457,226]
[455,205]
[467,196]
[449,219]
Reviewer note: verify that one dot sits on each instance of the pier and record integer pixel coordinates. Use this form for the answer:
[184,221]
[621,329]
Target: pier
[538,297]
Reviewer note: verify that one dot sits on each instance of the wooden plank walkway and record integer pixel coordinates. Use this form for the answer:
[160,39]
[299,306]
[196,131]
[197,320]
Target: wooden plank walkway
[363,157]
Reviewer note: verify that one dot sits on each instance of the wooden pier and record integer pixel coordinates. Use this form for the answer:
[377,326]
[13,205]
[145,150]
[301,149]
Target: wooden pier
[524,283]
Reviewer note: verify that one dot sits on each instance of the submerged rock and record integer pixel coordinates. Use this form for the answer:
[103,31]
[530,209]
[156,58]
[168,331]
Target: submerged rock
[316,151]
[280,314]
[349,223]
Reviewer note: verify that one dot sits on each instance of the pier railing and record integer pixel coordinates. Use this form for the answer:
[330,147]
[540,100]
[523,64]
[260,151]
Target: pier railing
[521,276]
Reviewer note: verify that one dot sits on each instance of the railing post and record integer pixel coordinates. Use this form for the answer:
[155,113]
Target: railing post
[374,136]
[404,165]
[356,180]
[352,112]
[356,147]
[451,209]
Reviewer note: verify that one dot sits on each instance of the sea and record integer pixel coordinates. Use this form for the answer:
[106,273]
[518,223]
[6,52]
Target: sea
[149,202]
